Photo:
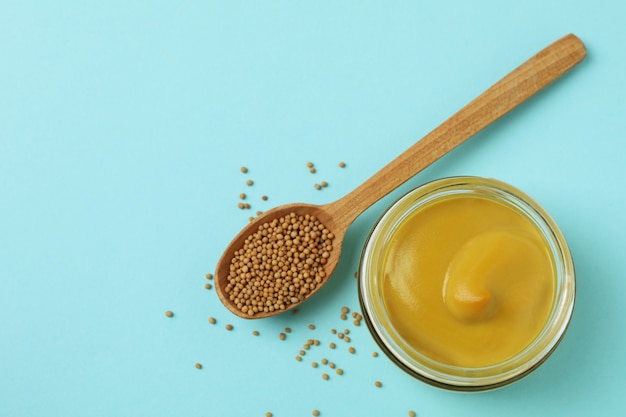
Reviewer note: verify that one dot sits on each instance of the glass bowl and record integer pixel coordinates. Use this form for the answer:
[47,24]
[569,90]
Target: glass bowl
[412,360]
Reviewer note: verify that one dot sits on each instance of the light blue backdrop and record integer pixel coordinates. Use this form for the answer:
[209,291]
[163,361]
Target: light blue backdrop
[123,125]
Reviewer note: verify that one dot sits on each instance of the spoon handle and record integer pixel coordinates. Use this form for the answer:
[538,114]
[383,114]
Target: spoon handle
[520,84]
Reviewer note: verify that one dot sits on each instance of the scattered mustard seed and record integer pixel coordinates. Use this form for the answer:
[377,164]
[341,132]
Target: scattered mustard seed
[325,376]
[356,323]
[342,164]
[282,336]
[298,358]
[229,327]
[255,333]
[309,164]
[314,364]
[287,329]
[310,342]
[375,354]
[249,182]
[296,311]
[332,345]
[333,331]
[198,366]
[209,276]
[339,371]
[315,413]
[241,206]
[343,317]
[346,331]
[208,286]
[312,170]
[268,414]
[302,352]
[331,365]
[324,361]
[340,335]
[351,349]
[312,326]
[345,310]
[317,187]
[378,384]
[324,184]
[212,320]
[168,313]
[316,342]
[242,196]
[244,170]
[412,413]
[346,339]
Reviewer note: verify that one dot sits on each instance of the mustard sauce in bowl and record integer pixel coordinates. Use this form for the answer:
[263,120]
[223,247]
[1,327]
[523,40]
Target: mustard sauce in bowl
[467,283]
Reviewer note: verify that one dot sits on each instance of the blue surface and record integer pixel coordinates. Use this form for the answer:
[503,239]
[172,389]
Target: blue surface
[123,126]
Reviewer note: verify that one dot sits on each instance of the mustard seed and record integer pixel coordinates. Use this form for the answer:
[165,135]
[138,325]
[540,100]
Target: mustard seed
[287,329]
[317,187]
[282,336]
[298,358]
[296,311]
[331,365]
[412,413]
[169,314]
[212,320]
[309,164]
[315,413]
[249,182]
[264,198]
[244,170]
[316,342]
[351,349]
[312,326]
[346,331]
[342,164]
[356,323]
[279,265]
[324,361]
[209,276]
[324,184]
[208,286]
[242,196]
[268,414]
[255,333]
[332,345]
[229,327]
[345,310]
[302,352]
[314,364]
[340,335]
[339,371]
[378,384]
[346,339]
[375,354]
[198,366]
[310,342]
[312,170]
[343,317]
[241,206]
[325,376]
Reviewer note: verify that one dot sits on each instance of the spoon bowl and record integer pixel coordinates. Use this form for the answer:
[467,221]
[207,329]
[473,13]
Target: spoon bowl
[516,87]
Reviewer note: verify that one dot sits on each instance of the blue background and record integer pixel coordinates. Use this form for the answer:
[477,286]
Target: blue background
[123,125]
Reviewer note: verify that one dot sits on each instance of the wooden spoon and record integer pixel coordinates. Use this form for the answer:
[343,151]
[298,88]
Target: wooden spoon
[506,94]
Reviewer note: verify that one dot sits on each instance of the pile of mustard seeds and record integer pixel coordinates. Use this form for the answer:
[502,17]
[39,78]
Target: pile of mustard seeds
[280,264]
